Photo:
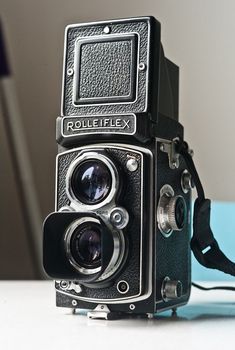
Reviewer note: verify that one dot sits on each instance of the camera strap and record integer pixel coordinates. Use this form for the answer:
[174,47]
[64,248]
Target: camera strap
[203,243]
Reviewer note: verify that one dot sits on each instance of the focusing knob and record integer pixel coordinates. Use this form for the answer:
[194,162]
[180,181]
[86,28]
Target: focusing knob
[171,211]
[176,213]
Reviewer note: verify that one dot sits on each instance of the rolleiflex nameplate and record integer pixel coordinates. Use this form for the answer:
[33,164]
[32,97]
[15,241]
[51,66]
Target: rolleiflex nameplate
[106,68]
[124,124]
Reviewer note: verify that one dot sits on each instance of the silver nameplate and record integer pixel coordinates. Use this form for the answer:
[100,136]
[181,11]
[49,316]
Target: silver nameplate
[114,124]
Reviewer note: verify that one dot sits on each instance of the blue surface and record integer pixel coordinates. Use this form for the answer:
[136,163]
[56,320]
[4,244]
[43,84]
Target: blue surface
[223,227]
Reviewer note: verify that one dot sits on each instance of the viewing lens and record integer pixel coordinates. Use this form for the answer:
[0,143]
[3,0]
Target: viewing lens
[91,181]
[180,212]
[85,245]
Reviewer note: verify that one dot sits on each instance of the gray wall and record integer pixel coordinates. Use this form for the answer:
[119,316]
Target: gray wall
[197,35]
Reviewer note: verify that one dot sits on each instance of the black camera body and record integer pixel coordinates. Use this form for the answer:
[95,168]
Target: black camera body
[119,239]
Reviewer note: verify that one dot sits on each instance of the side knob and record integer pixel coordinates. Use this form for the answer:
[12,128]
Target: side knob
[171,211]
[177,213]
[171,289]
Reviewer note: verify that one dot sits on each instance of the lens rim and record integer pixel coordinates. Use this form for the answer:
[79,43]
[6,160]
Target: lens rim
[67,243]
[118,251]
[86,156]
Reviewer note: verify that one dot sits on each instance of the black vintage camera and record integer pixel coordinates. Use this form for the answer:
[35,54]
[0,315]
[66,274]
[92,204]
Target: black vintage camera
[119,240]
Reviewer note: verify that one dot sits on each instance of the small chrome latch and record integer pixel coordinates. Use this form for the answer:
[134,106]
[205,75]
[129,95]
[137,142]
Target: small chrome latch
[100,312]
[173,156]
[71,286]
[76,287]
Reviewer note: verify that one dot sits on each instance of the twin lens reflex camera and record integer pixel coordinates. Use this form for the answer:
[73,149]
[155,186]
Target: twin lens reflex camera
[118,241]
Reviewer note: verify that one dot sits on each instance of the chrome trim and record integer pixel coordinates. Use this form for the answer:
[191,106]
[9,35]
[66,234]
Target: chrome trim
[132,307]
[114,175]
[119,290]
[166,193]
[101,130]
[118,255]
[109,21]
[166,211]
[74,302]
[123,217]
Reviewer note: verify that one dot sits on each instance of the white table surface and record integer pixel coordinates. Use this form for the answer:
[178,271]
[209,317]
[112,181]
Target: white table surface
[29,319]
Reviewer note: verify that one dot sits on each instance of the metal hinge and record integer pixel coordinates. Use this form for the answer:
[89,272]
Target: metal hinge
[173,156]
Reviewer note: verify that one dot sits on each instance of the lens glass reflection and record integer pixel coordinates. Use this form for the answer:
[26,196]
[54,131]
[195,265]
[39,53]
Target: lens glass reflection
[85,245]
[91,181]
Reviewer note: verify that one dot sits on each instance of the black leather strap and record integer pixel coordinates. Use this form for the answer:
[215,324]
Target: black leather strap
[203,243]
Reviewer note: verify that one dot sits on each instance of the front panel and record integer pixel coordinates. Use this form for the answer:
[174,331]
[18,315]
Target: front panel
[132,195]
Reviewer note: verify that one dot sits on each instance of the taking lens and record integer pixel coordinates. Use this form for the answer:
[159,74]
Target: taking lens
[85,245]
[180,212]
[91,181]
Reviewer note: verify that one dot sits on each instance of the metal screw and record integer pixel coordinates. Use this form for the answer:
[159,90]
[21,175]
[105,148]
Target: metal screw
[132,164]
[74,302]
[70,72]
[123,287]
[119,217]
[107,30]
[132,307]
[142,66]
[64,284]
